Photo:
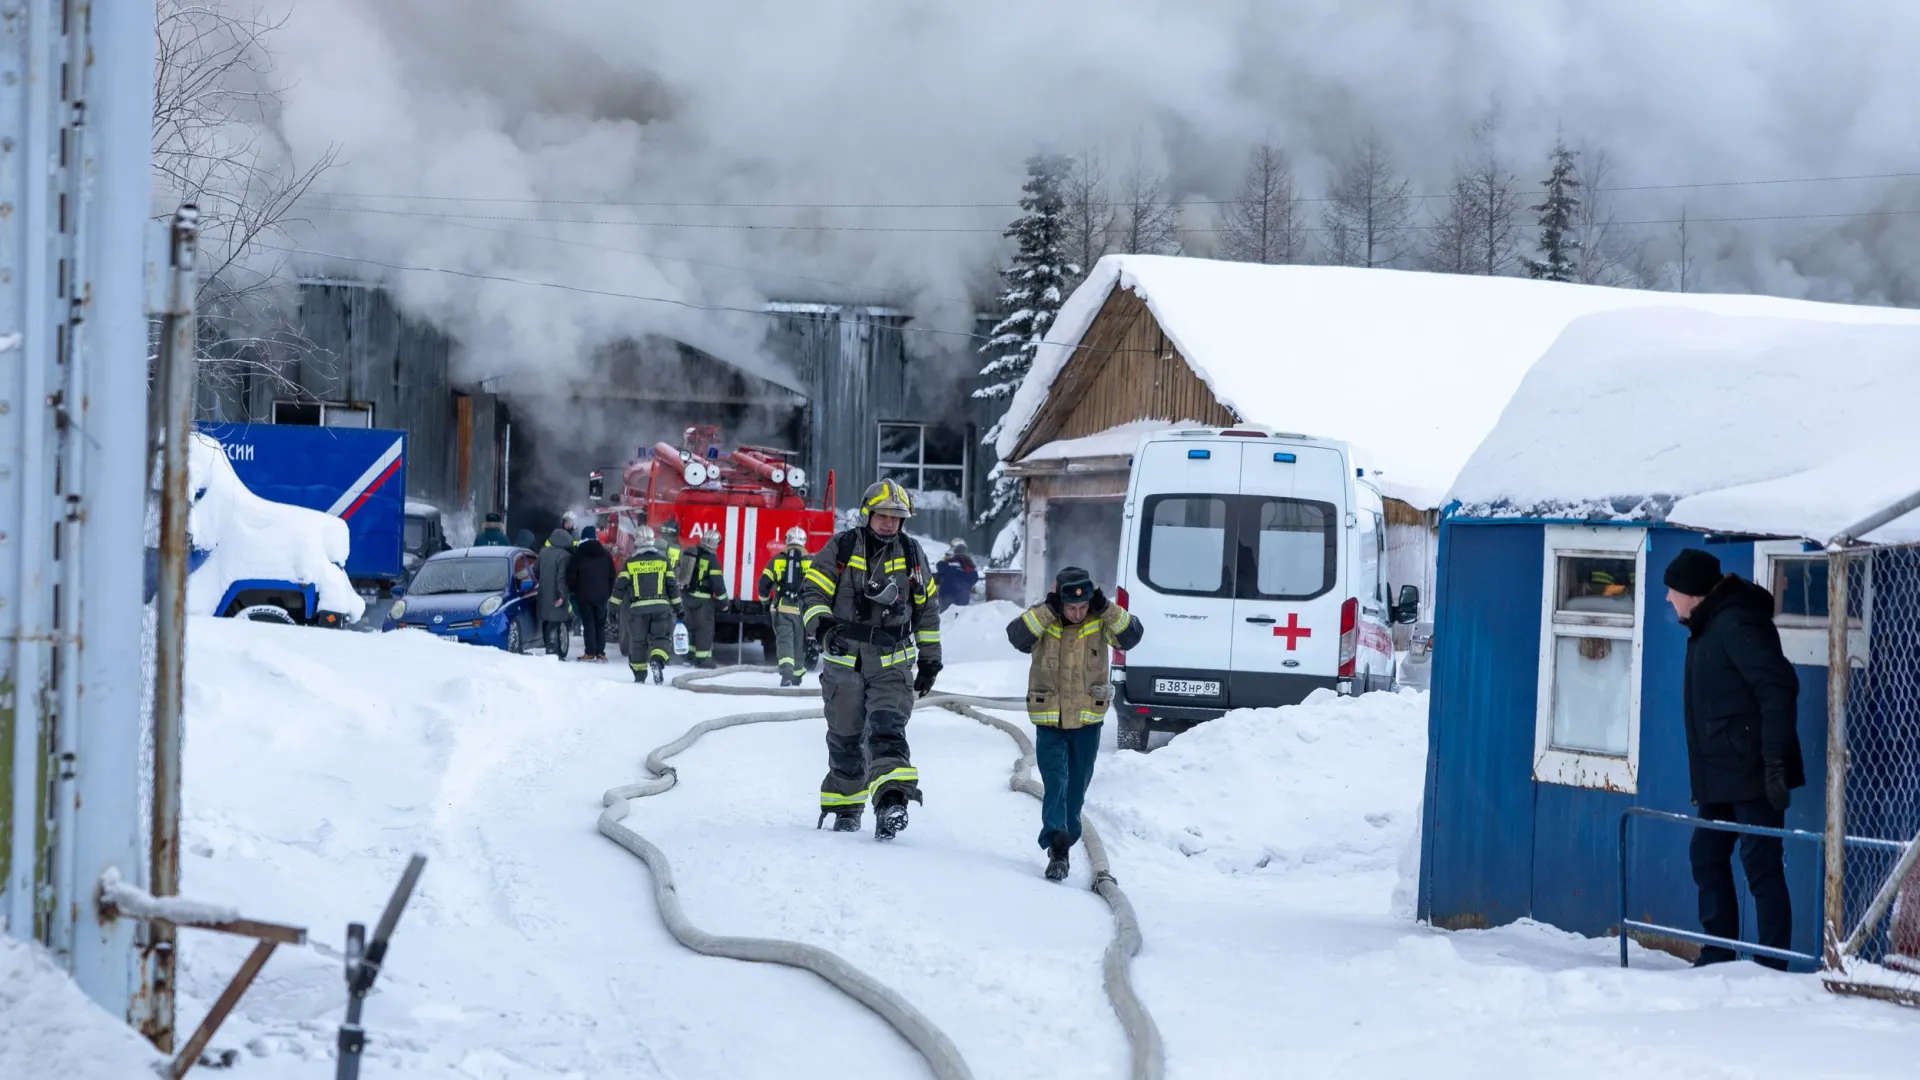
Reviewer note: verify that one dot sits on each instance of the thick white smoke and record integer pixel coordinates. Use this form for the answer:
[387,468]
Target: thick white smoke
[932,101]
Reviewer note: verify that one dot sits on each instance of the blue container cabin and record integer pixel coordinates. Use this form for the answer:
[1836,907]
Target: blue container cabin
[1556,705]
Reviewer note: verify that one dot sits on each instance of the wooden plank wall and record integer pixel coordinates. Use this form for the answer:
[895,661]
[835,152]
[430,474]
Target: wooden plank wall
[1126,370]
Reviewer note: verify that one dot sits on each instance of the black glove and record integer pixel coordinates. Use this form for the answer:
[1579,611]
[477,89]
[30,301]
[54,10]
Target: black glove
[923,681]
[1099,602]
[1777,793]
[679,613]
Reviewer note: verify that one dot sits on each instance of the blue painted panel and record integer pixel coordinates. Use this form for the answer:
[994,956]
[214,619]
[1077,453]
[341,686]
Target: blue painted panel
[1576,857]
[1478,839]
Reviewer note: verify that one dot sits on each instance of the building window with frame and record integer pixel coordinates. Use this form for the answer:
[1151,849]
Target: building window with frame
[1797,578]
[1593,613]
[323,413]
[928,460]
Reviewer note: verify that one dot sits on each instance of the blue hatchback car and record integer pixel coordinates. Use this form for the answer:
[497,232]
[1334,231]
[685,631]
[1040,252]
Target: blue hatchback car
[479,595]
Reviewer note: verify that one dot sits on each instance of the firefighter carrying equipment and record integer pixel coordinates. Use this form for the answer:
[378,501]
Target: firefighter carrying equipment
[886,497]
[781,586]
[1146,1051]
[706,588]
[647,599]
[1070,684]
[869,599]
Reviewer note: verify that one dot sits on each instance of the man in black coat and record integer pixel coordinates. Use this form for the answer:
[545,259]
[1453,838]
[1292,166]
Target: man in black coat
[1743,754]
[590,582]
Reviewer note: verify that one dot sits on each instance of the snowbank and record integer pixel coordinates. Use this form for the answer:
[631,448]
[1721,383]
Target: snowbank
[1784,427]
[48,1028]
[247,537]
[1411,368]
[1332,784]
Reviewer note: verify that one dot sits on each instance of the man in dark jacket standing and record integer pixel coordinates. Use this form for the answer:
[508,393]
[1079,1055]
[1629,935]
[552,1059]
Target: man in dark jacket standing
[956,575]
[556,617]
[1743,753]
[590,581]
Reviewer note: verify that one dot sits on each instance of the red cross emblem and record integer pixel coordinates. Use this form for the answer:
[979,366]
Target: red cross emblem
[1293,631]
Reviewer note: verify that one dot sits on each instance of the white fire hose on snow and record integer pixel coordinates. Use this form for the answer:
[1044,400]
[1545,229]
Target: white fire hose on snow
[1143,1037]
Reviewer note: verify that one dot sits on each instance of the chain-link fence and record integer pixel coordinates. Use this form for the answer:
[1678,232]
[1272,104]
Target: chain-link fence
[1879,799]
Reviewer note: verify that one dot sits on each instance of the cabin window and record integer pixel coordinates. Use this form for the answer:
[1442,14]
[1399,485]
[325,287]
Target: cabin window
[1287,548]
[1797,578]
[1184,546]
[323,413]
[1587,724]
[928,460]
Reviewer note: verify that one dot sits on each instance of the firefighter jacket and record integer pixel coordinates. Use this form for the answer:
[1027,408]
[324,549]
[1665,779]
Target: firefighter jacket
[707,581]
[678,565]
[837,588]
[646,582]
[1070,683]
[784,579]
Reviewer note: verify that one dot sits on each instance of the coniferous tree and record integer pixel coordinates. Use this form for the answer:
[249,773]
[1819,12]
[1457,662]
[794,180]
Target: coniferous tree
[1559,242]
[1035,287]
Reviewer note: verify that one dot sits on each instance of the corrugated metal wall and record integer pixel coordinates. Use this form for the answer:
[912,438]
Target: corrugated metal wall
[1496,845]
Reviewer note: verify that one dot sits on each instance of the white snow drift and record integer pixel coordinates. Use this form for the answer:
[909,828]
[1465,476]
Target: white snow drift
[1782,427]
[248,537]
[1411,368]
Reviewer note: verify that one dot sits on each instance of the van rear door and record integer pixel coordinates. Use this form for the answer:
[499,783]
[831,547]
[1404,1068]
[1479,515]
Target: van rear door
[1287,597]
[1180,574]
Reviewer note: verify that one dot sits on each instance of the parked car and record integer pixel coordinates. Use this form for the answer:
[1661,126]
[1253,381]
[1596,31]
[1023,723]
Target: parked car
[479,595]
[1258,563]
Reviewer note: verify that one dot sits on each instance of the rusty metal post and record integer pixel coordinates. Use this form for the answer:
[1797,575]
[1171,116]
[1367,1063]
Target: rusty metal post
[175,386]
[1839,670]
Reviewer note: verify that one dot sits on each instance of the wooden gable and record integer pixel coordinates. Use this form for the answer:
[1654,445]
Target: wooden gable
[1125,370]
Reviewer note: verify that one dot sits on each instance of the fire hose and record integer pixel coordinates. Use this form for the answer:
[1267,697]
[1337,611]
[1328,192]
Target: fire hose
[1143,1037]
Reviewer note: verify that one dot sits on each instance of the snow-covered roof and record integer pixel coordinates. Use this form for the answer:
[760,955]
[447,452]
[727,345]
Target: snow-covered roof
[1113,442]
[1767,426]
[1411,368]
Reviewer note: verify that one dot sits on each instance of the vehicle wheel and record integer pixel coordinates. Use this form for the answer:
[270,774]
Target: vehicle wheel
[273,613]
[515,642]
[1132,734]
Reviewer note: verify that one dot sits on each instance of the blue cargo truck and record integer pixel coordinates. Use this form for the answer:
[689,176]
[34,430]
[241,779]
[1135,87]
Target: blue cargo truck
[355,474]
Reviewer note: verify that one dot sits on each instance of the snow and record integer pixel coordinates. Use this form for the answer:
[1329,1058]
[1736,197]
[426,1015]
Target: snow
[416,508]
[132,900]
[247,537]
[1118,441]
[1411,368]
[1009,553]
[48,1028]
[1262,851]
[1770,426]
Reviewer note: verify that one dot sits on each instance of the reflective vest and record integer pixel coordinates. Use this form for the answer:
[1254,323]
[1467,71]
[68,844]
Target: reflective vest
[646,581]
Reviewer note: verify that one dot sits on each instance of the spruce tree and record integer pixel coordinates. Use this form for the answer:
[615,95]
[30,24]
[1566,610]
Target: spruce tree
[1559,242]
[1035,287]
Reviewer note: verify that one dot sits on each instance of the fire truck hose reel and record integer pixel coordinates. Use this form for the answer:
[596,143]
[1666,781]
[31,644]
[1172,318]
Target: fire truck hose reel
[1143,1036]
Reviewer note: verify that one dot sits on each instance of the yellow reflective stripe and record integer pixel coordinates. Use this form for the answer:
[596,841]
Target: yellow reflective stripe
[655,602]
[1092,716]
[904,656]
[927,637]
[834,798]
[660,654]
[1090,629]
[1053,631]
[1032,621]
[893,565]
[857,562]
[817,609]
[843,661]
[831,586]
[906,774]
[1048,718]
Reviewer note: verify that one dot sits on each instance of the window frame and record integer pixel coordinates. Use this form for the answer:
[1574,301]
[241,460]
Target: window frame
[1229,545]
[919,465]
[1803,638]
[1588,768]
[321,410]
[1244,583]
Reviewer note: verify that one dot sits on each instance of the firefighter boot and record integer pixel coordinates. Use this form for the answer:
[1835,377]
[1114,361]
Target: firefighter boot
[1057,848]
[659,669]
[845,819]
[890,814]
[639,675]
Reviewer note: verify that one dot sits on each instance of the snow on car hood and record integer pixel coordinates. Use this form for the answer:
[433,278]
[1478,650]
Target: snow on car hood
[248,537]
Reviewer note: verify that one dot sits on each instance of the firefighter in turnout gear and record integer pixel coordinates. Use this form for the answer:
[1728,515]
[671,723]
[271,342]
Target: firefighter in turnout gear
[647,600]
[670,543]
[781,585]
[706,589]
[870,600]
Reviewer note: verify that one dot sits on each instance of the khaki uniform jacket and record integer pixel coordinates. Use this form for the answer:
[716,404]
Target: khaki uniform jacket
[1070,683]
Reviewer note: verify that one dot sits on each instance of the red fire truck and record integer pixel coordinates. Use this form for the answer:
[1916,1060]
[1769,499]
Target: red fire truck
[750,496]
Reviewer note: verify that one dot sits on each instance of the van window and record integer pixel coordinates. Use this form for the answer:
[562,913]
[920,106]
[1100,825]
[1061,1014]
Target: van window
[1287,549]
[1184,545]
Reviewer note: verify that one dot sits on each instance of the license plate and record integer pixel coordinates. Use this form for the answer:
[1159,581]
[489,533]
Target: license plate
[1186,687]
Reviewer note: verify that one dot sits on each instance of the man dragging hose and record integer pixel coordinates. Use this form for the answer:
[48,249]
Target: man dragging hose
[869,598]
[1068,690]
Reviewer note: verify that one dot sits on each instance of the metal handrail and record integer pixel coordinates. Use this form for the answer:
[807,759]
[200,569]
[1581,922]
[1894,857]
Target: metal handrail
[1694,936]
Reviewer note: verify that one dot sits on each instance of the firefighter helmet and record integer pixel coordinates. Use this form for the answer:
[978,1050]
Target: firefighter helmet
[670,529]
[886,497]
[796,537]
[643,535]
[710,540]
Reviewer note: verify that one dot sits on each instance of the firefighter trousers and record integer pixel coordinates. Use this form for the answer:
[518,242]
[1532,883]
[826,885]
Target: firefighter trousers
[699,629]
[788,642]
[867,708]
[646,635]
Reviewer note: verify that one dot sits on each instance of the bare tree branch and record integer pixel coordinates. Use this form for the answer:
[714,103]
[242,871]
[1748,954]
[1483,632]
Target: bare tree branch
[1091,216]
[1368,206]
[1149,223]
[1263,222]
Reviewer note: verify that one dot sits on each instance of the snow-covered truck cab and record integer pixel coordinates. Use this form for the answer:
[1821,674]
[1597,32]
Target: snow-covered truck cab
[1257,564]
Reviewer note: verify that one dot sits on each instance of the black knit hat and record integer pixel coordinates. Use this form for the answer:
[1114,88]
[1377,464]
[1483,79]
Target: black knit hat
[1074,585]
[1693,573]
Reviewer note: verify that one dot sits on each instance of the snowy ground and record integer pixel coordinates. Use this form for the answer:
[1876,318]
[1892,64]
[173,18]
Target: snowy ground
[1262,851]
